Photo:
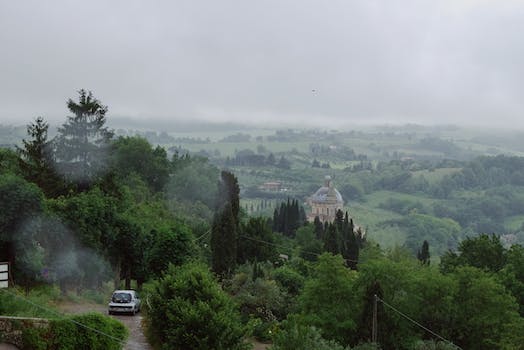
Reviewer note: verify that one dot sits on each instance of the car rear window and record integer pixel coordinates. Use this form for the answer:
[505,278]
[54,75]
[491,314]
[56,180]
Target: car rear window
[121,297]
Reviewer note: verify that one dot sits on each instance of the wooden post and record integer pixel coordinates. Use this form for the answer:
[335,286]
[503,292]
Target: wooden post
[374,331]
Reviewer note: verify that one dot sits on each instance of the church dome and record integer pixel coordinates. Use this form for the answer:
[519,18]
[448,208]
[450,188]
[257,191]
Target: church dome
[327,194]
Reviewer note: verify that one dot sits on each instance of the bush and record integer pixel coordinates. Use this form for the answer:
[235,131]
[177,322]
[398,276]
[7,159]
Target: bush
[189,310]
[77,333]
[295,335]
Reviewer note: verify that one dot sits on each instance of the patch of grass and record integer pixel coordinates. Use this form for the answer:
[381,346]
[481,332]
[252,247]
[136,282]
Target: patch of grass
[514,223]
[376,198]
[434,176]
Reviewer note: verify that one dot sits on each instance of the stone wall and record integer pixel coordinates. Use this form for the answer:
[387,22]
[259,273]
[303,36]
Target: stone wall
[11,328]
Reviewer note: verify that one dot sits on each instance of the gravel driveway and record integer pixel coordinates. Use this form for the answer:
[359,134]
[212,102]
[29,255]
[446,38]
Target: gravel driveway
[136,340]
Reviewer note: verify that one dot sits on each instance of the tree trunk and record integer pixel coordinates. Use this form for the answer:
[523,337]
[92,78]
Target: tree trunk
[117,275]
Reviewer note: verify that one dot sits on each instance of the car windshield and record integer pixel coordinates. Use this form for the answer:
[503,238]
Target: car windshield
[121,297]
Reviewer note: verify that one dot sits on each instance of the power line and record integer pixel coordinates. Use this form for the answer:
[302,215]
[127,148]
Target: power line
[202,236]
[416,323]
[61,316]
[284,247]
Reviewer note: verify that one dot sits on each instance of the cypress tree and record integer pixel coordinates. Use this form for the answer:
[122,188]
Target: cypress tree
[423,254]
[229,191]
[319,228]
[224,242]
[331,240]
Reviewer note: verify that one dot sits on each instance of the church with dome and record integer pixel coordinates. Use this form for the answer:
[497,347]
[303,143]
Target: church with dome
[325,202]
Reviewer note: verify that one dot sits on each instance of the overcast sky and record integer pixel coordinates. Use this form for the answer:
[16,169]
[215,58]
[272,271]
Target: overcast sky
[344,61]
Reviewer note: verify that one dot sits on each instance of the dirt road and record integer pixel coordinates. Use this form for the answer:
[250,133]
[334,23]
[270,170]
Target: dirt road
[136,340]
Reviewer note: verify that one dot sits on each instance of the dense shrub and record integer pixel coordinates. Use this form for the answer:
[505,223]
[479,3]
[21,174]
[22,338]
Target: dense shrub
[189,310]
[88,331]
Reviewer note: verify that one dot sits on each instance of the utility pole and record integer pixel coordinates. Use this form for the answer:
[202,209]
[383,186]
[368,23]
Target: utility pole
[374,326]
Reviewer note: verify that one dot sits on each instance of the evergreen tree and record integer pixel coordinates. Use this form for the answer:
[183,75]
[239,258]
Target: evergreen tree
[352,251]
[81,145]
[249,246]
[423,254]
[339,220]
[331,240]
[229,192]
[270,159]
[319,228]
[224,242]
[36,159]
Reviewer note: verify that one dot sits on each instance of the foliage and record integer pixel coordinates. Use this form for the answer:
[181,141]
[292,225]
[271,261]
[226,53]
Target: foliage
[328,300]
[289,279]
[172,246]
[442,234]
[295,335]
[82,143]
[36,159]
[423,254]
[486,313]
[484,252]
[251,246]
[21,202]
[288,218]
[224,242]
[189,310]
[193,181]
[136,155]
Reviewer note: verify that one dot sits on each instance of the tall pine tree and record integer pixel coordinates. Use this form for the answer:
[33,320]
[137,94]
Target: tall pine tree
[36,159]
[82,142]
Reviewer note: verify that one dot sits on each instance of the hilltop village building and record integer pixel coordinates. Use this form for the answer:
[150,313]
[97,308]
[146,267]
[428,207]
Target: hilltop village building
[325,202]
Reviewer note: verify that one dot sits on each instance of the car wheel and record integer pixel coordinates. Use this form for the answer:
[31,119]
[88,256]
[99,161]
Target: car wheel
[109,313]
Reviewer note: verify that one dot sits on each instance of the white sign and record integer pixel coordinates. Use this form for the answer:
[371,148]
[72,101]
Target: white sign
[4,275]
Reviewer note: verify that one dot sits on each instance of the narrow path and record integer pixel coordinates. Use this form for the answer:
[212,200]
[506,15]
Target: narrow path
[136,340]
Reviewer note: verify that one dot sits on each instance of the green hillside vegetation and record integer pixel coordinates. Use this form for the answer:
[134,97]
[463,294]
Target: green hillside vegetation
[430,230]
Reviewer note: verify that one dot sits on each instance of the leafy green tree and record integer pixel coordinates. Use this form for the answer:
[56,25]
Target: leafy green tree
[329,301]
[20,203]
[194,181]
[395,279]
[309,247]
[189,310]
[512,275]
[9,162]
[172,246]
[136,155]
[486,313]
[36,159]
[289,279]
[366,316]
[441,233]
[82,142]
[484,252]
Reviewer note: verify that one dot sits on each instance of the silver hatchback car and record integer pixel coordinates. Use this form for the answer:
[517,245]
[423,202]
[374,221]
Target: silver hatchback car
[124,301]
